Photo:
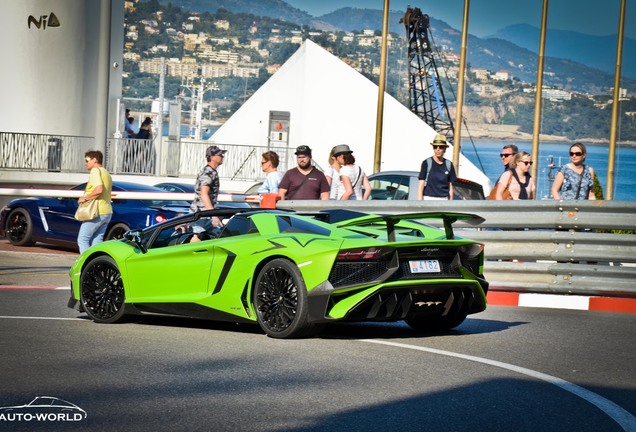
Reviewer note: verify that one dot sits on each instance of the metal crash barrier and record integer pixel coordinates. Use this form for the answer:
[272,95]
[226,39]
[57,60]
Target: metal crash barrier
[559,247]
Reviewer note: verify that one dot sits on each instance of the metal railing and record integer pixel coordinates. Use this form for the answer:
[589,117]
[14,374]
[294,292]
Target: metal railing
[156,157]
[35,152]
[186,157]
[536,246]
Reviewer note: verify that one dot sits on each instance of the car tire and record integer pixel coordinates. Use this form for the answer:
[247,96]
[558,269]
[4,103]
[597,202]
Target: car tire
[19,227]
[117,231]
[102,291]
[280,300]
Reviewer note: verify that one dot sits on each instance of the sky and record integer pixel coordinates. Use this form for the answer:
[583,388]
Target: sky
[594,17]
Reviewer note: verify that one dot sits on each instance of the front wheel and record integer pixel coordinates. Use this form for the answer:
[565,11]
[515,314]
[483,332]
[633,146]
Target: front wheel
[102,291]
[19,228]
[280,300]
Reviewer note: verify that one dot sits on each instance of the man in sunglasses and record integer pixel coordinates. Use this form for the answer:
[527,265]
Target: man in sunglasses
[437,174]
[507,155]
[206,191]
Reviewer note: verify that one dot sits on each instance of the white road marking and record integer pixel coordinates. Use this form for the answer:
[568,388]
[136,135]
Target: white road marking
[618,414]
[40,318]
[614,411]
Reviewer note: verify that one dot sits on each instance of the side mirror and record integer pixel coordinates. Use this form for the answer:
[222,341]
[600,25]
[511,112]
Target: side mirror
[136,237]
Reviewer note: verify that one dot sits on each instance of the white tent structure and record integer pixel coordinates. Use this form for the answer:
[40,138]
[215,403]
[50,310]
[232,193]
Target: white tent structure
[330,103]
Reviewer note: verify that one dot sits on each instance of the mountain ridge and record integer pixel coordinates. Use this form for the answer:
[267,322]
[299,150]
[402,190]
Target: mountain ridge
[573,46]
[493,53]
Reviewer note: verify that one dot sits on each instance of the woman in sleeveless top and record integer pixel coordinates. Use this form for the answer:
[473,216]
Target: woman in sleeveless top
[520,183]
[575,180]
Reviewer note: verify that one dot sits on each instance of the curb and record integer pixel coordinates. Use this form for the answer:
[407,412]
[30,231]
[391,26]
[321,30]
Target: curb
[555,301]
[495,298]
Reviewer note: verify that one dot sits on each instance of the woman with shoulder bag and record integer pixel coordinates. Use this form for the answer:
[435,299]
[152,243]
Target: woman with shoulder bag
[575,180]
[517,183]
[97,194]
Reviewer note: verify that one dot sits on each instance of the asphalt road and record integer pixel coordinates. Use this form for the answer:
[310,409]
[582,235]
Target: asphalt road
[507,369]
[34,266]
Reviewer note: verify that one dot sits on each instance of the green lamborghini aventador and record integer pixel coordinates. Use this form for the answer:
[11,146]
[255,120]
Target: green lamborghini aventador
[290,273]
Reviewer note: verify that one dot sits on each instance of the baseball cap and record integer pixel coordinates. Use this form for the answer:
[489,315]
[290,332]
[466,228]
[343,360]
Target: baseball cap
[303,150]
[213,151]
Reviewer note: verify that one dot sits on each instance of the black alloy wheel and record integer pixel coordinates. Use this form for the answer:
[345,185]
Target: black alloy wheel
[19,227]
[280,300]
[116,232]
[102,291]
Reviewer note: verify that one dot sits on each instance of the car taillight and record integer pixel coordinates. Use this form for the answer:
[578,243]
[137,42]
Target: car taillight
[362,254]
[160,218]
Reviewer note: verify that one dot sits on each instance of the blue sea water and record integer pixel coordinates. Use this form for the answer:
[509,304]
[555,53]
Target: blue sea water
[485,155]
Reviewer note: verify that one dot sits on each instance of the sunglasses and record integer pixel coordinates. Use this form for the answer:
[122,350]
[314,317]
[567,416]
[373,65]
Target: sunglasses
[576,153]
[503,155]
[263,163]
[527,162]
[88,159]
[438,147]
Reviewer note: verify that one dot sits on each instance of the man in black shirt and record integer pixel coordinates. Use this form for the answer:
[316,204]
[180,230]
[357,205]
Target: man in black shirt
[437,174]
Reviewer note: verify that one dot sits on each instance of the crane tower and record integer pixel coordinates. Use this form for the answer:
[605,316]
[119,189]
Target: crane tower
[426,94]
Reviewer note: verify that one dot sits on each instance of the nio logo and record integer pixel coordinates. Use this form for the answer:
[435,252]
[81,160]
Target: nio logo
[44,21]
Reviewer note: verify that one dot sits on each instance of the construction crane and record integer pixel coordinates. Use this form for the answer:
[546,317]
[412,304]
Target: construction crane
[426,94]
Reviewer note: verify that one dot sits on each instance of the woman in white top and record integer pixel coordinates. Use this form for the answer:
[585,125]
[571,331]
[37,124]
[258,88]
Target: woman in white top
[353,177]
[269,165]
[333,176]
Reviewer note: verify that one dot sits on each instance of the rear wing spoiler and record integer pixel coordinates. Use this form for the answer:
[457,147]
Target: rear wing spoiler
[391,220]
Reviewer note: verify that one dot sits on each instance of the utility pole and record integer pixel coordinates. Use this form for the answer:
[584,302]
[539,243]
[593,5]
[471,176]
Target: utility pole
[539,93]
[196,105]
[460,90]
[609,189]
[381,84]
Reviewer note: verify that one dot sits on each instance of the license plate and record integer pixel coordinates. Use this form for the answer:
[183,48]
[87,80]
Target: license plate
[425,266]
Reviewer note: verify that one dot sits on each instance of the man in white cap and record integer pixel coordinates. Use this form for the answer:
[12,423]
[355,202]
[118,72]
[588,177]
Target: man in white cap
[437,174]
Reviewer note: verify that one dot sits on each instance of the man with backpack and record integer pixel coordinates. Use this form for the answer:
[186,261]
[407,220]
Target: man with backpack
[437,174]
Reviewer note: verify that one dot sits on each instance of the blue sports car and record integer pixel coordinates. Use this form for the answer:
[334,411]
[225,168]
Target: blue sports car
[25,221]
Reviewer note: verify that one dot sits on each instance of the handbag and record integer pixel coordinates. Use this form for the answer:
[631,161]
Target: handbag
[506,195]
[87,210]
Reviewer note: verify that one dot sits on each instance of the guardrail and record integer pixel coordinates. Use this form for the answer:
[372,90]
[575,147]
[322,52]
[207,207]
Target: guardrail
[536,246]
[531,246]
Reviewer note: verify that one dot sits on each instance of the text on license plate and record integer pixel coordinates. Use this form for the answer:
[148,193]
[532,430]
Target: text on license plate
[425,266]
